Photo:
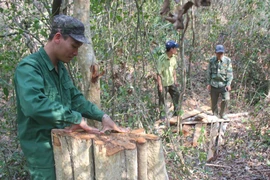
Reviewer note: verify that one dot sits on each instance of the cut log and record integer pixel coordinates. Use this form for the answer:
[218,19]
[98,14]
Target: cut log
[191,113]
[204,108]
[83,156]
[205,118]
[195,112]
[237,115]
[68,156]
[216,139]
[201,118]
[213,142]
[142,147]
[222,129]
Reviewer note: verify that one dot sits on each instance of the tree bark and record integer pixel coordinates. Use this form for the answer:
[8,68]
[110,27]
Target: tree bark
[86,56]
[132,156]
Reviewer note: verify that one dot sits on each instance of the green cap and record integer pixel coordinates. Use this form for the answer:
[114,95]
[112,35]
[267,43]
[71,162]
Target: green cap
[70,26]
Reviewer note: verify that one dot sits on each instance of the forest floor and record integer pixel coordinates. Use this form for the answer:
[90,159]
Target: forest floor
[244,155]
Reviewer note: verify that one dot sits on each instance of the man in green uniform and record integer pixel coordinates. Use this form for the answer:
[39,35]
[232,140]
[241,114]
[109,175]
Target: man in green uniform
[166,77]
[219,79]
[47,98]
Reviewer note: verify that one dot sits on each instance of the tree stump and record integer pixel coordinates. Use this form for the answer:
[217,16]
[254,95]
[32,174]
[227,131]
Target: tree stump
[117,156]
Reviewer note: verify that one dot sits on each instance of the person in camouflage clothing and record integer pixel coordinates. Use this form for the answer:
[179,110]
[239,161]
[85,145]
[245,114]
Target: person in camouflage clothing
[219,79]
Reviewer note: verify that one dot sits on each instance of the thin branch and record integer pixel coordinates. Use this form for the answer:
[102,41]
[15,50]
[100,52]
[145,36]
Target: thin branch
[28,33]
[217,165]
[11,34]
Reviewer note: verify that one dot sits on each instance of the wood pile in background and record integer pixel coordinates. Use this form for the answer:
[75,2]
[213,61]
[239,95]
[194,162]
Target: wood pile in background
[201,123]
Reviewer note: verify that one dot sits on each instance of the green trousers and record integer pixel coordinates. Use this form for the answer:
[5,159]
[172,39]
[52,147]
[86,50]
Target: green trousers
[225,95]
[42,173]
[174,93]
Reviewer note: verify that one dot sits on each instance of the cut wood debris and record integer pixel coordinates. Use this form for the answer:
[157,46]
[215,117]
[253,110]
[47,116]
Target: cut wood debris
[194,123]
[80,155]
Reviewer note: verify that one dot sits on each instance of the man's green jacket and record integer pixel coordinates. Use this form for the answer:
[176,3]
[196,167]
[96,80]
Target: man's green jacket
[46,99]
[219,73]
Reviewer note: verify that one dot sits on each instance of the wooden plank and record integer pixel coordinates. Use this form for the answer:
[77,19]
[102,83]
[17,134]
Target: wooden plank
[205,121]
[191,113]
[222,130]
[213,142]
[200,117]
[205,118]
[204,108]
[237,115]
[173,120]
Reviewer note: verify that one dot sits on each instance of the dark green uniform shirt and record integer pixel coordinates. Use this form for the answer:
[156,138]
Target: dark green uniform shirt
[46,100]
[220,73]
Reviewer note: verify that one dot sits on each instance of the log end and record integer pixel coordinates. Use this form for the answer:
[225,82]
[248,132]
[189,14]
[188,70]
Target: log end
[80,134]
[141,140]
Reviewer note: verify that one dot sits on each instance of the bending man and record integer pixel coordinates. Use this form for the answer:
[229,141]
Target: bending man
[47,98]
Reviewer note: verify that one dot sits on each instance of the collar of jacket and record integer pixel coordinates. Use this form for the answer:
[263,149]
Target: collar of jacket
[222,59]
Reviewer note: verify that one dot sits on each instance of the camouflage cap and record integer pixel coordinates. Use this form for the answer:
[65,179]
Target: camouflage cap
[70,26]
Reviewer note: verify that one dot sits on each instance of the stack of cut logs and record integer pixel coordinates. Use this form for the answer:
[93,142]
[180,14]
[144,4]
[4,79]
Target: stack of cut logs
[199,119]
[117,156]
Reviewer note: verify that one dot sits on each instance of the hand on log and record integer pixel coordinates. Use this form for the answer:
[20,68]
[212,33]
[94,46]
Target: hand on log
[83,125]
[108,125]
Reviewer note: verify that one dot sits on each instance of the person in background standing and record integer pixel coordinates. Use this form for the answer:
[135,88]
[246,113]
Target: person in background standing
[219,79]
[166,77]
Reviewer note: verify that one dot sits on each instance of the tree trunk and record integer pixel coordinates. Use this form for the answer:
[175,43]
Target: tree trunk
[132,156]
[86,56]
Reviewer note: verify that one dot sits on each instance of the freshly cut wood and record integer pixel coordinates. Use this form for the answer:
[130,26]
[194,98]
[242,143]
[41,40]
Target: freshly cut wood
[142,147]
[194,118]
[213,142]
[111,152]
[201,118]
[222,129]
[195,112]
[216,139]
[204,108]
[204,118]
[191,113]
[237,115]
[69,157]
[83,156]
